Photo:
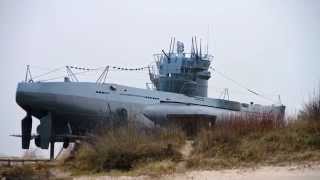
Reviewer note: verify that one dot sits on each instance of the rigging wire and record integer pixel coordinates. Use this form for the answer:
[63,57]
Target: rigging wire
[41,68]
[129,69]
[50,72]
[77,73]
[85,70]
[118,68]
[241,85]
[112,67]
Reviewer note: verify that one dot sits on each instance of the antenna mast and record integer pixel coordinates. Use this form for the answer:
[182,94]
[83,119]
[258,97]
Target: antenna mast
[208,39]
[195,39]
[200,49]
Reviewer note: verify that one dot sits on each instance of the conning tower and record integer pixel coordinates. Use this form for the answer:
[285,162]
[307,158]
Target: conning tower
[180,72]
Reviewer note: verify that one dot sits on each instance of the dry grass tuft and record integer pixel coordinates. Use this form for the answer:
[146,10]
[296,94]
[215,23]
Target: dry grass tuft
[311,109]
[229,131]
[22,172]
[262,139]
[295,143]
[127,148]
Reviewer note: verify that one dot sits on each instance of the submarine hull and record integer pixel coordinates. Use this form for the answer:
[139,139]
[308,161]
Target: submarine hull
[78,108]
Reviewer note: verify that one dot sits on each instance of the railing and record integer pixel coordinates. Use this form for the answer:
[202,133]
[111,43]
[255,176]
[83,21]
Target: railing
[160,56]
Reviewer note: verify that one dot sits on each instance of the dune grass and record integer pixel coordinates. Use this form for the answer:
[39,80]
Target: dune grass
[25,172]
[127,148]
[253,140]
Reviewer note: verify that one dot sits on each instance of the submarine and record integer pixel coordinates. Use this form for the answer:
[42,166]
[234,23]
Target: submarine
[69,109]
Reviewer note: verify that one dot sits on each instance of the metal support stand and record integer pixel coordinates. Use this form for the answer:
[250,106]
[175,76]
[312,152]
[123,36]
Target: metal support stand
[28,75]
[51,150]
[103,76]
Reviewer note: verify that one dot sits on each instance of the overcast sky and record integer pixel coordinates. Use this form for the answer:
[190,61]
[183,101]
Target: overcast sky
[269,46]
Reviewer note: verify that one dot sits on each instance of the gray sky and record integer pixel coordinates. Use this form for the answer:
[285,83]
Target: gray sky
[268,45]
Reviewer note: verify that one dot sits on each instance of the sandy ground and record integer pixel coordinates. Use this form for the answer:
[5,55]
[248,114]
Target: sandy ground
[301,172]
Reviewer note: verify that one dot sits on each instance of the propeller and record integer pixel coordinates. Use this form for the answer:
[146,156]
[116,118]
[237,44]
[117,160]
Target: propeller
[26,126]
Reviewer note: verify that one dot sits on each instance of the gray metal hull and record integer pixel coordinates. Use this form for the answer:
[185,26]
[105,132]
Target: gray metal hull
[79,108]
